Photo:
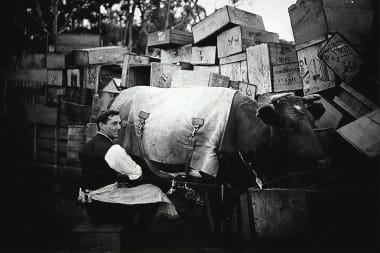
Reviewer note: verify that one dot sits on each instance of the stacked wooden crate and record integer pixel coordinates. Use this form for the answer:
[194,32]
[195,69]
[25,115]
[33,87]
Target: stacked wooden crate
[332,39]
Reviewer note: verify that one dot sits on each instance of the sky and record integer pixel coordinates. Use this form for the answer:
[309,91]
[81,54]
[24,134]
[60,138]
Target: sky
[274,13]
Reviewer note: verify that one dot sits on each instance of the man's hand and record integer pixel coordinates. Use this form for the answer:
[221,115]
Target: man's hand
[84,196]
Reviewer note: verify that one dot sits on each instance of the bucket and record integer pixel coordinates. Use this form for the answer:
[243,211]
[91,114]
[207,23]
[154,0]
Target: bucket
[75,139]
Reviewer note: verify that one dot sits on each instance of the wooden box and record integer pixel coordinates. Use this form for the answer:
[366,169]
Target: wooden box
[176,54]
[103,238]
[248,89]
[56,60]
[341,58]
[55,77]
[213,69]
[203,55]
[331,118]
[238,38]
[168,38]
[97,55]
[189,78]
[161,74]
[354,103]
[223,19]
[273,67]
[311,19]
[67,42]
[364,133]
[139,75]
[235,67]
[315,74]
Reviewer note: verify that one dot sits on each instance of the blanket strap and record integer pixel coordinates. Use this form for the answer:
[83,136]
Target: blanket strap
[197,123]
[139,132]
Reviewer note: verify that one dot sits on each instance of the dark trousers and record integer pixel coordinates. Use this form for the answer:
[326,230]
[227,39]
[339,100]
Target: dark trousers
[138,217]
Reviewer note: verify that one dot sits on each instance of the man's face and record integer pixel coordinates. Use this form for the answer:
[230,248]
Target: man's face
[111,128]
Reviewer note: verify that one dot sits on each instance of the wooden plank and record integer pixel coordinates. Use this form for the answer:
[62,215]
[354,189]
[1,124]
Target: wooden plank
[315,74]
[40,114]
[248,89]
[68,42]
[233,58]
[259,67]
[238,38]
[364,134]
[169,37]
[203,55]
[266,97]
[341,58]
[353,102]
[176,54]
[91,77]
[56,60]
[161,74]
[279,212]
[32,75]
[213,69]
[97,55]
[331,118]
[189,78]
[32,61]
[222,19]
[286,77]
[311,19]
[281,53]
[55,77]
[236,71]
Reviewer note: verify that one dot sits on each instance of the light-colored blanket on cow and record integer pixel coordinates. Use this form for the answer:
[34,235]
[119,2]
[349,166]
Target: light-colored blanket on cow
[169,125]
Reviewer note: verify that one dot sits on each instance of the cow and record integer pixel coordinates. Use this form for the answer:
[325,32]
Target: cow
[261,137]
[256,139]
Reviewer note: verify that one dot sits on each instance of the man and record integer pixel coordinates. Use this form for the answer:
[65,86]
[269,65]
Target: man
[102,162]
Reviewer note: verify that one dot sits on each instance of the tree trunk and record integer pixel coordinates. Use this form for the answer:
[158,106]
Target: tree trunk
[54,7]
[167,14]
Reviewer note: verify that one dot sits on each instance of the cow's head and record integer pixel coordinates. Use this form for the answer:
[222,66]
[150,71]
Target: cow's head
[292,137]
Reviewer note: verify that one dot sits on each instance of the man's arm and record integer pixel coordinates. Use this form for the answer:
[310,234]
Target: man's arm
[120,161]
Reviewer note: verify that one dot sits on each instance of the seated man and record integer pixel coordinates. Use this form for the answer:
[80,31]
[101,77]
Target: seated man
[102,162]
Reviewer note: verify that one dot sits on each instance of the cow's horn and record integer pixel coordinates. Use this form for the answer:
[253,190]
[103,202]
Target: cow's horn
[311,98]
[276,97]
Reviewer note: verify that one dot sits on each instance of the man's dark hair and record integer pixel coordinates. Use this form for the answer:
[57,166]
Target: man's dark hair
[104,116]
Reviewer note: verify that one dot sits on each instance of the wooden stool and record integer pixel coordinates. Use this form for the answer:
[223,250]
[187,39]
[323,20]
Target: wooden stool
[87,237]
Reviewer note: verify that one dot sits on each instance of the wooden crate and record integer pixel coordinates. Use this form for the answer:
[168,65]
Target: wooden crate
[273,67]
[189,78]
[139,75]
[311,19]
[235,67]
[364,134]
[97,55]
[56,60]
[213,69]
[56,77]
[67,42]
[161,74]
[203,55]
[248,89]
[341,58]
[176,54]
[315,74]
[331,118]
[354,103]
[168,38]
[223,19]
[238,38]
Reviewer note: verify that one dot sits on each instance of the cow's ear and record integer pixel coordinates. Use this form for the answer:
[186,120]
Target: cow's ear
[317,110]
[267,114]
